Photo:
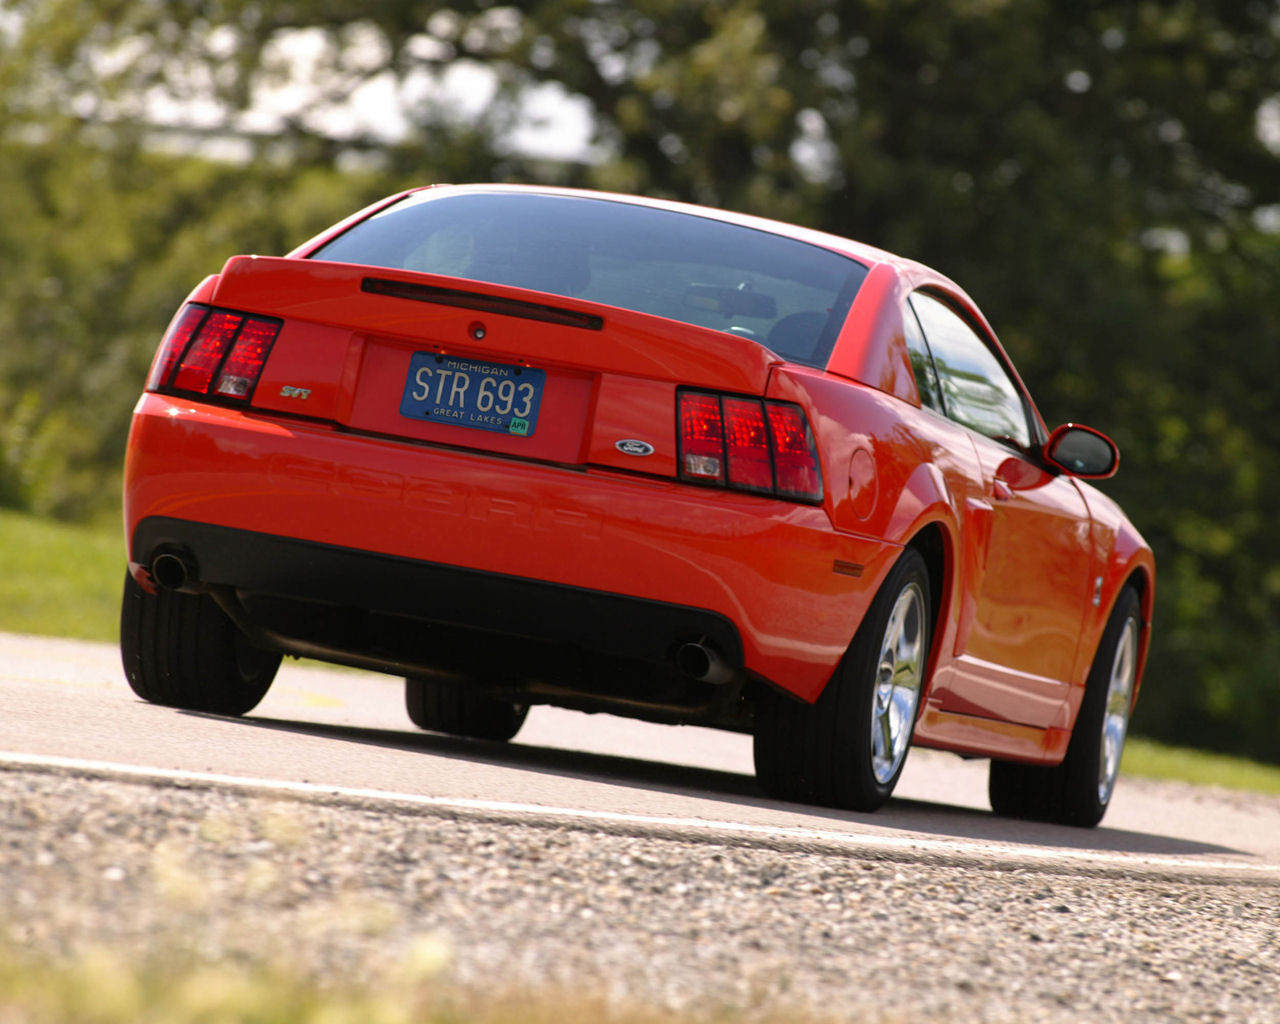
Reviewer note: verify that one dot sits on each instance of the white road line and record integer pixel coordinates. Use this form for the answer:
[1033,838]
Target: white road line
[951,850]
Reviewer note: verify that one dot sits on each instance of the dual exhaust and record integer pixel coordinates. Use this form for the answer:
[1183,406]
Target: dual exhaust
[172,570]
[703,662]
[176,570]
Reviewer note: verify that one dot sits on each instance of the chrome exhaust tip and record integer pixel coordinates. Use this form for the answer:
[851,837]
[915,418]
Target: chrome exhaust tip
[172,571]
[703,663]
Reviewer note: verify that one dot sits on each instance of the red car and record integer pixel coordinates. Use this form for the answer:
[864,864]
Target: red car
[525,445]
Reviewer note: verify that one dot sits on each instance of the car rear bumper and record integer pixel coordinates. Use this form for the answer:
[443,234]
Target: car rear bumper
[602,560]
[266,566]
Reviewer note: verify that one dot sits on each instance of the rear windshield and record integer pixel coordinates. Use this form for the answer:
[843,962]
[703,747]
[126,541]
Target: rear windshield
[788,295]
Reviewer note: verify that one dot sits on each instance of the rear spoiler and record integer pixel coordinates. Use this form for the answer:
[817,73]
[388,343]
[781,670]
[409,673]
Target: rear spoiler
[444,311]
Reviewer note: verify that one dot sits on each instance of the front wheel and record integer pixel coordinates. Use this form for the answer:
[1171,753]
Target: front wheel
[1078,791]
[180,650]
[848,749]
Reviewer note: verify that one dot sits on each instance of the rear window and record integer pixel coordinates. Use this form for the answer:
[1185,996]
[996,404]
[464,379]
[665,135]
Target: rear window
[788,295]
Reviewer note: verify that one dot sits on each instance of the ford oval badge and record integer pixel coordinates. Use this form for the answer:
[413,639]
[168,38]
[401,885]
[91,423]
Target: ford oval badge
[630,446]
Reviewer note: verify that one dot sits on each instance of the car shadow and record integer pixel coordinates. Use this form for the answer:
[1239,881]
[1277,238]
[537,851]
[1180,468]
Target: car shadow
[918,817]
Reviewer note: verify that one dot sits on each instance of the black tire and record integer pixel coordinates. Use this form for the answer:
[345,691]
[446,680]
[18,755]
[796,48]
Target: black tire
[456,709]
[181,651]
[1078,791]
[825,752]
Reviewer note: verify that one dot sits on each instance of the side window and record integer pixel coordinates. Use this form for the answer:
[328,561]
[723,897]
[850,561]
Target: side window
[974,385]
[921,362]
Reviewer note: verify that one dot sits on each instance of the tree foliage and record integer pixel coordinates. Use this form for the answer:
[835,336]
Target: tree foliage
[1102,176]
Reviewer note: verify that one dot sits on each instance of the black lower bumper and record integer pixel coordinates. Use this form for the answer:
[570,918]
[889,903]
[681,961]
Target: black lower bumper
[575,647]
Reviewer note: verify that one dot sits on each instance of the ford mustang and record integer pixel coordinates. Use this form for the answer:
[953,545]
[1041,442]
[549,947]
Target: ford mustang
[536,446]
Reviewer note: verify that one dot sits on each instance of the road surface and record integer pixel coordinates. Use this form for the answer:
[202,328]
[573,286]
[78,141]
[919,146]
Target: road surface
[323,732]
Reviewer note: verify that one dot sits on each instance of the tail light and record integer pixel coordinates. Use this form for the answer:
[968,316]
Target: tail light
[748,444]
[796,472]
[701,437]
[213,352]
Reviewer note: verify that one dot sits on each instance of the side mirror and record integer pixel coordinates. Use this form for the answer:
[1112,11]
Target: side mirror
[1083,452]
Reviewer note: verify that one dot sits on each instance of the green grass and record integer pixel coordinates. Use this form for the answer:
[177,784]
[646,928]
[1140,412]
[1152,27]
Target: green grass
[64,580]
[60,579]
[1148,759]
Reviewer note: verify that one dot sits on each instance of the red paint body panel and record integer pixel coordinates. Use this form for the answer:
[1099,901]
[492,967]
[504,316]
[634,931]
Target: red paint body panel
[329,293]
[1029,561]
[871,348]
[540,522]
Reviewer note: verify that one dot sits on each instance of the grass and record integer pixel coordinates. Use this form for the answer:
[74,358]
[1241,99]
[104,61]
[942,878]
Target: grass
[60,579]
[1148,759]
[64,580]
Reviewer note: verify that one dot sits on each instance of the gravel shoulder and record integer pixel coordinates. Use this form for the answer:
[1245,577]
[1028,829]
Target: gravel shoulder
[348,894]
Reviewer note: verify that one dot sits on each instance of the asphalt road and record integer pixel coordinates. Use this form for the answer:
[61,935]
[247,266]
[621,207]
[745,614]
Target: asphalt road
[325,734]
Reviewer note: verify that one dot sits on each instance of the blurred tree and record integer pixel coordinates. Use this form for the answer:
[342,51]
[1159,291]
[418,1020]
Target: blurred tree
[111,214]
[1102,176]
[97,248]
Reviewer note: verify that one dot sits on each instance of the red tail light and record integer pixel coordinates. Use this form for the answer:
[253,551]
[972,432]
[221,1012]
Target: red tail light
[701,437]
[243,365]
[748,444]
[174,344]
[795,462]
[213,352]
[205,352]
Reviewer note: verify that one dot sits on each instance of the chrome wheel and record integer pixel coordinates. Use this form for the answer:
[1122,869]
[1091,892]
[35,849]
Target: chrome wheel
[1078,791]
[899,675]
[1115,717]
[848,747]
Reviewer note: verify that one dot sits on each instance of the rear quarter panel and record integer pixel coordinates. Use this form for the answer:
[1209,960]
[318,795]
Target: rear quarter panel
[891,472]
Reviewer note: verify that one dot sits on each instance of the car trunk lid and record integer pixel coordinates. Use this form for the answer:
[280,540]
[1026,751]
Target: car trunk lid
[503,369]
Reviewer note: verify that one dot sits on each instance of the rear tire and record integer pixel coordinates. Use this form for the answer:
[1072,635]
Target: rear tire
[181,651]
[848,749]
[1078,791]
[458,710]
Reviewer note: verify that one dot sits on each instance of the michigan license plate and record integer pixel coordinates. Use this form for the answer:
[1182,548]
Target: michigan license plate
[471,393]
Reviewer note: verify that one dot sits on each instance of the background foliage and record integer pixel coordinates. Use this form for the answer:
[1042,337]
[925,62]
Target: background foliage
[1102,176]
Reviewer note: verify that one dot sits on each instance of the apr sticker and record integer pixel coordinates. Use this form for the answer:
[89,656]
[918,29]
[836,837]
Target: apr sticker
[630,446]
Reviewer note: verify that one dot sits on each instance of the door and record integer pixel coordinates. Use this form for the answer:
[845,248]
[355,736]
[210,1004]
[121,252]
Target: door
[1029,558]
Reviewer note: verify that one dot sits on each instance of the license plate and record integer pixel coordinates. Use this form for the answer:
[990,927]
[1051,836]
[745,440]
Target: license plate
[470,393]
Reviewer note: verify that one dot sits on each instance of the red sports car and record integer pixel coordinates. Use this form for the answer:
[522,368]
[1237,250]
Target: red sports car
[526,445]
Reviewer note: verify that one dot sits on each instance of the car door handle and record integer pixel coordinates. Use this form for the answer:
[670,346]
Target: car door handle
[1000,490]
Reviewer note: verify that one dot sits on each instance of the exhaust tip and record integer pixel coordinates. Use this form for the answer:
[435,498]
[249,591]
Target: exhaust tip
[172,571]
[703,663]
